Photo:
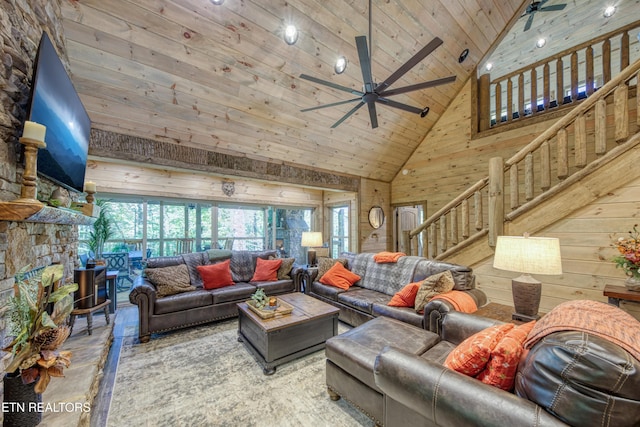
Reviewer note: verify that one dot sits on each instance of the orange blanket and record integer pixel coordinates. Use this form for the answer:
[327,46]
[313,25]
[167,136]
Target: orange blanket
[597,318]
[460,300]
[387,257]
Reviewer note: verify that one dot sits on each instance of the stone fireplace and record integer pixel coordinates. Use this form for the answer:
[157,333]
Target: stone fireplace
[25,243]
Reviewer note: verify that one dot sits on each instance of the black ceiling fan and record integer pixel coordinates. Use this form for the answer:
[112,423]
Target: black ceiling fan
[372,92]
[537,6]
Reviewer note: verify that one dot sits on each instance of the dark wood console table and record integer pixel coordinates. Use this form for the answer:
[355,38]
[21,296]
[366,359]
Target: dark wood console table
[617,293]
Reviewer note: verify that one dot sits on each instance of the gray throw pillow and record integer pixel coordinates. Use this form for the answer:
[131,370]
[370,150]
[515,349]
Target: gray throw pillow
[170,280]
[432,286]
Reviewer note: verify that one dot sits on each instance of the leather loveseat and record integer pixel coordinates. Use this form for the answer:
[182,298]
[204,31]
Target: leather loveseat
[370,296]
[394,373]
[157,314]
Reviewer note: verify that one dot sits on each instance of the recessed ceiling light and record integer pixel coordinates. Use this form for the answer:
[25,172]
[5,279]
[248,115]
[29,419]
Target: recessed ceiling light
[217,2]
[489,66]
[341,65]
[609,11]
[541,42]
[291,34]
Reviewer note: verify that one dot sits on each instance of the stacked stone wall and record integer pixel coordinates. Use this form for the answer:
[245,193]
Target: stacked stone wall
[21,25]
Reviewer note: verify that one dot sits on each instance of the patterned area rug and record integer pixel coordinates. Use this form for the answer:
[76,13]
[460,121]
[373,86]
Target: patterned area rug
[204,377]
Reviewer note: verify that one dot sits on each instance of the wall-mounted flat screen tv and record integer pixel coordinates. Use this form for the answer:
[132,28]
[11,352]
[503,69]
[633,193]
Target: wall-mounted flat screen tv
[55,103]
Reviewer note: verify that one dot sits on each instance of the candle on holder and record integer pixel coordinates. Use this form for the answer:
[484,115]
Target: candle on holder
[33,130]
[90,189]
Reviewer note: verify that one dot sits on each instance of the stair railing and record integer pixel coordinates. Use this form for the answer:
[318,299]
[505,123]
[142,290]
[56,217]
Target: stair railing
[559,80]
[576,143]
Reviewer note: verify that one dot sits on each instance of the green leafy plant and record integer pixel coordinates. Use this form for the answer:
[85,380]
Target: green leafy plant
[37,316]
[259,298]
[103,229]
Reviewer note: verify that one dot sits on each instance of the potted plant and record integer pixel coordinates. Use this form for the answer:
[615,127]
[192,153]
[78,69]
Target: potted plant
[629,258]
[37,315]
[103,229]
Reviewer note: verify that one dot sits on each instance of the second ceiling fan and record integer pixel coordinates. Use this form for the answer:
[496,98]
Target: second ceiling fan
[372,92]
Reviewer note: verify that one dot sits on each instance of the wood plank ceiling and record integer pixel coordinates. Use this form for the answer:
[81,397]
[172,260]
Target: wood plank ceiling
[220,77]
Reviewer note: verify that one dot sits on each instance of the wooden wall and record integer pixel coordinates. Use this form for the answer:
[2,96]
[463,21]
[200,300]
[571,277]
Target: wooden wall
[375,193]
[124,178]
[449,160]
[585,239]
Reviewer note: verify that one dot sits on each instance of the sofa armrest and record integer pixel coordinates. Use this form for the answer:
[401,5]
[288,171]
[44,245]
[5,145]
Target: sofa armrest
[143,294]
[435,310]
[448,398]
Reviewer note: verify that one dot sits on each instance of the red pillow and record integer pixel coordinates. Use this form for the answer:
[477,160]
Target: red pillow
[266,270]
[339,277]
[406,297]
[471,355]
[216,275]
[503,364]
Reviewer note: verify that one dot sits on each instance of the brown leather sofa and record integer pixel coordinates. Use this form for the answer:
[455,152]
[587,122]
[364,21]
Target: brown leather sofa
[369,297]
[201,306]
[393,372]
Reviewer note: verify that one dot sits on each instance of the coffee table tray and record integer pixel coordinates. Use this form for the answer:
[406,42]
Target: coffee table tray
[282,310]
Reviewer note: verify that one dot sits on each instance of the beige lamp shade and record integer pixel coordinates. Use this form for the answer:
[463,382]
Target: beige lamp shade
[531,255]
[311,238]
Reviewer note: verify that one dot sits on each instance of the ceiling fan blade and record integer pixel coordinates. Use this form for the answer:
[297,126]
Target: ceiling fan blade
[346,116]
[399,105]
[365,62]
[373,115]
[418,86]
[333,85]
[529,22]
[329,105]
[552,8]
[415,59]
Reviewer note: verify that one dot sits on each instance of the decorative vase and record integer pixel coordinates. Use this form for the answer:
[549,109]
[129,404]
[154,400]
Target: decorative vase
[22,405]
[632,283]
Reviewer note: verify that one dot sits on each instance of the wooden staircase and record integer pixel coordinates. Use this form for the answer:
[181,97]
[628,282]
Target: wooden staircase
[592,150]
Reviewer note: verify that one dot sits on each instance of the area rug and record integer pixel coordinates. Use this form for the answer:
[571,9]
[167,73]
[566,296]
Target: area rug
[203,376]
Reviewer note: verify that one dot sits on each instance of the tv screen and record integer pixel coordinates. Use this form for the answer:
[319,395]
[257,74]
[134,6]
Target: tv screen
[55,103]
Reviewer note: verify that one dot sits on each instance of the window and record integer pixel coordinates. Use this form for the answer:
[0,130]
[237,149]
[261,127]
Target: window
[339,230]
[174,227]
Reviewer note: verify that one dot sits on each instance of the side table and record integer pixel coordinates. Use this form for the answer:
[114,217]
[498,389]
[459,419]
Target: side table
[89,313]
[112,280]
[501,312]
[617,293]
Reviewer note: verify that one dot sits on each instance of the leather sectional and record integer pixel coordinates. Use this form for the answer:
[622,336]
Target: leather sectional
[200,305]
[369,297]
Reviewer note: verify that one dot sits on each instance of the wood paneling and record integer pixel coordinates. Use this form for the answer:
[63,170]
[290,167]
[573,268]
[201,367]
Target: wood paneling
[585,239]
[135,179]
[221,78]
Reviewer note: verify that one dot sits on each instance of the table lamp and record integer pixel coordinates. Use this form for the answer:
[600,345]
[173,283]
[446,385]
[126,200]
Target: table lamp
[311,239]
[528,255]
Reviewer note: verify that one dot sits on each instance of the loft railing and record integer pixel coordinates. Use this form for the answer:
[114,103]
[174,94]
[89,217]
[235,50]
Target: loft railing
[560,80]
[595,131]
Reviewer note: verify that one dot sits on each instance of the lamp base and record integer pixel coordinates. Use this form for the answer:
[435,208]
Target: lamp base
[311,257]
[526,297]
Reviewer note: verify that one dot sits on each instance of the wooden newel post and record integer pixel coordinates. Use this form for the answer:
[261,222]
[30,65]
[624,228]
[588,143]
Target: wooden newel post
[496,199]
[29,188]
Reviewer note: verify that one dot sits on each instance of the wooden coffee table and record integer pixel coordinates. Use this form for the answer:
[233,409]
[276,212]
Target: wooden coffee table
[281,339]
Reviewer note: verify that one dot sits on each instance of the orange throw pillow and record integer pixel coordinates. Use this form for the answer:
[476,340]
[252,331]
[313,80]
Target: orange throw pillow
[405,297]
[339,277]
[503,364]
[266,270]
[471,355]
[216,275]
